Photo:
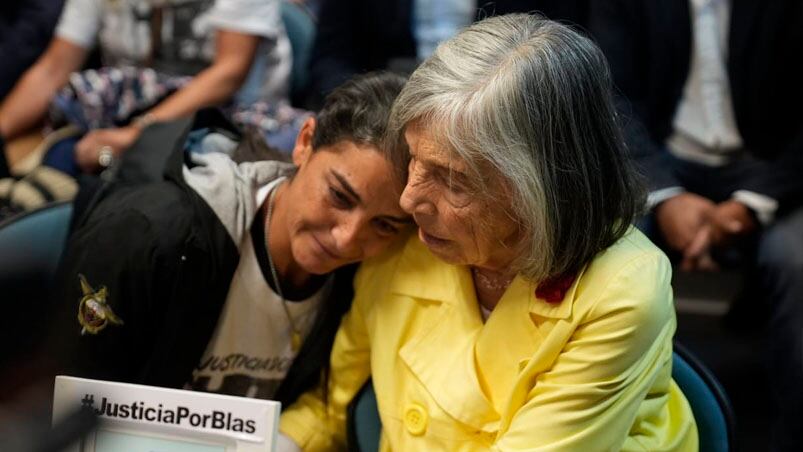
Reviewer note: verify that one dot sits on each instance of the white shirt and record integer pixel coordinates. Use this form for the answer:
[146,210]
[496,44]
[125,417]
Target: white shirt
[435,21]
[250,351]
[187,36]
[704,126]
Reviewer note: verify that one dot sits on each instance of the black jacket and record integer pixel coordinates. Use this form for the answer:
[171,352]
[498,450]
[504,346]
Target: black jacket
[166,261]
[648,45]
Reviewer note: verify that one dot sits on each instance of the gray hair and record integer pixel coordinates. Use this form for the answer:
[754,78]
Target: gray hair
[531,100]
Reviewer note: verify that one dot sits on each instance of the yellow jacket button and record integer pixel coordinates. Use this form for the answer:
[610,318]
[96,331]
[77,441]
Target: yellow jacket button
[415,419]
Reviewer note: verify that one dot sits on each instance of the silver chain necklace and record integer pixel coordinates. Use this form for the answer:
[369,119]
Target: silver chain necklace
[295,337]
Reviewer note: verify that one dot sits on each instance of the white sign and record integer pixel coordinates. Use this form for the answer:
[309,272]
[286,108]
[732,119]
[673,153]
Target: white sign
[149,416]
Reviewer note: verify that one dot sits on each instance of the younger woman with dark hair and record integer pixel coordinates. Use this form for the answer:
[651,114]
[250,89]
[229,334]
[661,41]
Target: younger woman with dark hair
[223,277]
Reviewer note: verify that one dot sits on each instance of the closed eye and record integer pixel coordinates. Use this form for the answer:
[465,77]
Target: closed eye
[456,186]
[384,227]
[340,199]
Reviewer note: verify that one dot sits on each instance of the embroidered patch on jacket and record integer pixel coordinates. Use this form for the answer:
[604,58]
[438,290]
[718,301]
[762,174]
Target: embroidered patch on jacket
[94,313]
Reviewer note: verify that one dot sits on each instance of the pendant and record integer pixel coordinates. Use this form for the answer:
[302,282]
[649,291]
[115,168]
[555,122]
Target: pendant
[295,341]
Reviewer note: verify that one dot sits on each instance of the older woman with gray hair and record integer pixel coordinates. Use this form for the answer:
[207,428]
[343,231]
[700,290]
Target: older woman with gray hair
[527,313]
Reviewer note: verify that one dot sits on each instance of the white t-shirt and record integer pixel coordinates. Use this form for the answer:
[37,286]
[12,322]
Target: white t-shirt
[250,351]
[187,36]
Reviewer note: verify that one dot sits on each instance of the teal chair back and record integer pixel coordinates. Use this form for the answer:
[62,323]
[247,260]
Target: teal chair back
[300,26]
[709,403]
[716,424]
[31,245]
[30,249]
[363,427]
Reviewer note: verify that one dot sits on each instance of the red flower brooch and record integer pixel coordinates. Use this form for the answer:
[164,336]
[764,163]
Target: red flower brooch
[554,289]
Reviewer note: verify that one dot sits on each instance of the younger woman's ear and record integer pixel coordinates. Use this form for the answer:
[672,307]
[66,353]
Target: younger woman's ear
[303,148]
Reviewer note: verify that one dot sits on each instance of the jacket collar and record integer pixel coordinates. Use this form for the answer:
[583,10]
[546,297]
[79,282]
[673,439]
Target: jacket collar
[423,276]
[428,278]
[468,367]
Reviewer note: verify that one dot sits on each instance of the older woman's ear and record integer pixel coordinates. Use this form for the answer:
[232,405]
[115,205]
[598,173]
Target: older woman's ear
[303,147]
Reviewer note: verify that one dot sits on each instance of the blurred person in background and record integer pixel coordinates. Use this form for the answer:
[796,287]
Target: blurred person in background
[356,36]
[25,29]
[201,52]
[712,96]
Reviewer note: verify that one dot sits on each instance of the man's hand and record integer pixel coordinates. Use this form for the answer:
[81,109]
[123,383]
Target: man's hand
[697,256]
[724,224]
[88,149]
[729,221]
[681,217]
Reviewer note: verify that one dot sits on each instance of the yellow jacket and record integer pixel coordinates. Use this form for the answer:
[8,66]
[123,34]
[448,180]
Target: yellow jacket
[591,373]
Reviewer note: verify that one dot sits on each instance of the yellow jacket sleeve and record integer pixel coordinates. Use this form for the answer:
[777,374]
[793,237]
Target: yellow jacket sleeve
[599,383]
[318,426]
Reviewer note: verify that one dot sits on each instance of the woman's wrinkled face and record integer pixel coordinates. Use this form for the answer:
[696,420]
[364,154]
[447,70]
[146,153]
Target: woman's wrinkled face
[456,225]
[344,206]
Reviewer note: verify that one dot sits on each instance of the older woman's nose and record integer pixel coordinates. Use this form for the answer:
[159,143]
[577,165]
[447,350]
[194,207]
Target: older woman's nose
[407,201]
[413,202]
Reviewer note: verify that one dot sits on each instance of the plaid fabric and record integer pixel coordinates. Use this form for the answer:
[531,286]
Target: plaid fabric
[278,123]
[110,96]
